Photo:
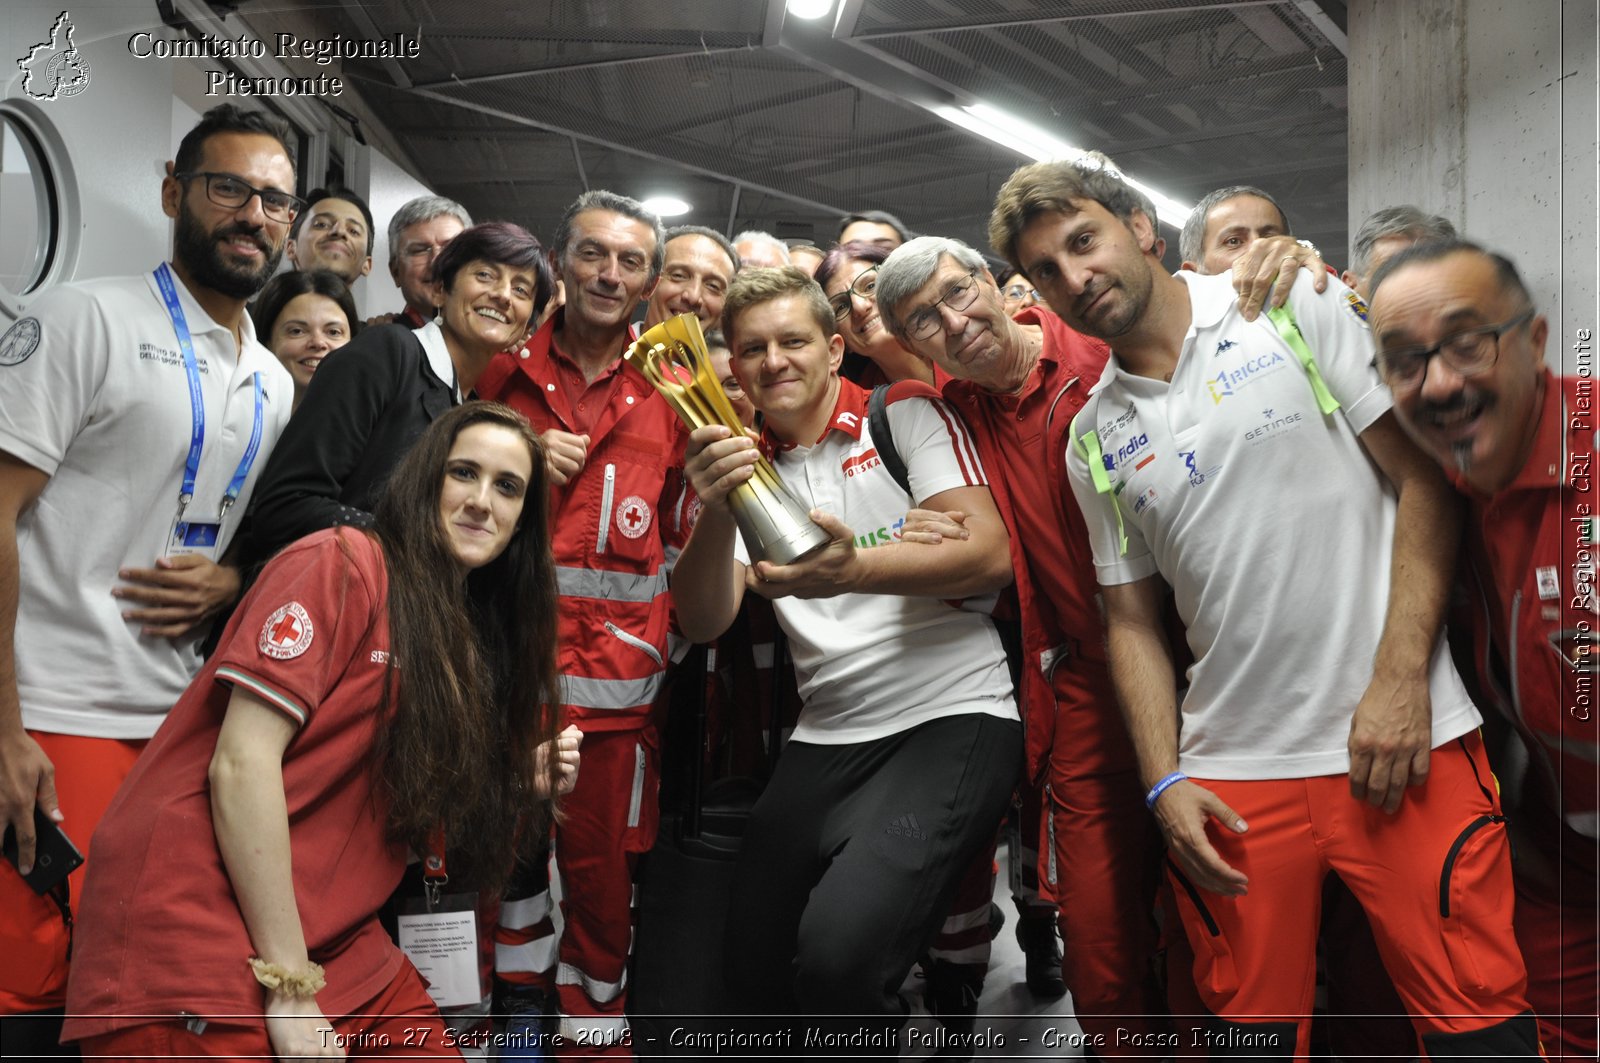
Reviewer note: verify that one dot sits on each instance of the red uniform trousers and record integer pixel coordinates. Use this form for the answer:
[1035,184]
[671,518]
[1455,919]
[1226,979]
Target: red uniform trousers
[1435,879]
[611,817]
[33,935]
[1558,928]
[1100,864]
[401,1022]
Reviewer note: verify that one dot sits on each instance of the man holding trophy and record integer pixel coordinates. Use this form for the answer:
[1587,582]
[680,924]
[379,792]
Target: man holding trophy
[909,742]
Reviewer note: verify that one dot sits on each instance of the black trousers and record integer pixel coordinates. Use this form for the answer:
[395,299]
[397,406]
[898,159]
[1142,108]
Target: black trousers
[851,859]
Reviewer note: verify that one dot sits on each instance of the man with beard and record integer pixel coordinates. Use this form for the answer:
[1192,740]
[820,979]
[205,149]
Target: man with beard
[135,415]
[1461,344]
[333,233]
[1255,467]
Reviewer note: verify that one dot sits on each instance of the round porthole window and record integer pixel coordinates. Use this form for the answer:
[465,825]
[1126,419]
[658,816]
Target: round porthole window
[35,205]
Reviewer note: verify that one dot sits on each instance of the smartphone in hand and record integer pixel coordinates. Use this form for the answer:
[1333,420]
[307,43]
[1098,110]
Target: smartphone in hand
[54,855]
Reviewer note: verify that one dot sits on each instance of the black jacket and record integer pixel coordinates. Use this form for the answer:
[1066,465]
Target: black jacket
[367,404]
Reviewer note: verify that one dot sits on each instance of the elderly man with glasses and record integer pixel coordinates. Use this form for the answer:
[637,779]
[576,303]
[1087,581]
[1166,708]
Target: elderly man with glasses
[1462,348]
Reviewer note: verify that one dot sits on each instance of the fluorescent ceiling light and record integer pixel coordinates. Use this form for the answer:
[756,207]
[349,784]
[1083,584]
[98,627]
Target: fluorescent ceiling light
[1029,140]
[810,8]
[666,206]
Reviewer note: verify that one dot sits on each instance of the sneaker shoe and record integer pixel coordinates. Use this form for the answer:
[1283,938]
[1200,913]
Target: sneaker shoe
[952,998]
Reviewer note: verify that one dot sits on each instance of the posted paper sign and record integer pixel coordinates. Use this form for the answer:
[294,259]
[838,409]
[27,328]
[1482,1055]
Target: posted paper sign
[444,947]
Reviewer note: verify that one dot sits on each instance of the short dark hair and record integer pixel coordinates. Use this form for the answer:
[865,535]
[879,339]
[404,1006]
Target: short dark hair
[497,241]
[1192,240]
[230,118]
[709,233]
[317,195]
[1434,250]
[835,259]
[286,287]
[876,217]
[600,199]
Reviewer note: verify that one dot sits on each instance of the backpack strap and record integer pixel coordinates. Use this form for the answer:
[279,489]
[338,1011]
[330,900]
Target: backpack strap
[1282,320]
[883,439]
[1089,446]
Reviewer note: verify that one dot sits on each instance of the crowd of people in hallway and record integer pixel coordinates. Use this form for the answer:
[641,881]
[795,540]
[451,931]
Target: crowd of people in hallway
[1254,602]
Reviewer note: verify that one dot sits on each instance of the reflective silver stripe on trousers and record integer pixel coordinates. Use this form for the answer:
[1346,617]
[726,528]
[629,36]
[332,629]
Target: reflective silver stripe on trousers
[609,586]
[588,693]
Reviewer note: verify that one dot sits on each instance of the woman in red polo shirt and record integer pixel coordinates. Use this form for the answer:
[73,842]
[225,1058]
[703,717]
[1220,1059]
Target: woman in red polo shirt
[377,692]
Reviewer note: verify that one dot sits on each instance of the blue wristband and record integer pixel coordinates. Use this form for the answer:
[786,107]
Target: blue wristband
[1161,787]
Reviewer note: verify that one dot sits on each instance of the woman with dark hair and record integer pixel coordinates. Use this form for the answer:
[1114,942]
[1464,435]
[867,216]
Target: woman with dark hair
[366,407]
[1016,291]
[848,275]
[377,692]
[301,316]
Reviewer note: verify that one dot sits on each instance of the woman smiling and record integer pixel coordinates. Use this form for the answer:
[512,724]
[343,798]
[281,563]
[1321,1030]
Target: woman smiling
[241,868]
[366,407]
[848,275]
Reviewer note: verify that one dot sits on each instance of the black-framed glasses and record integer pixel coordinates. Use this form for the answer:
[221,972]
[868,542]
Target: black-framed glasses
[1467,353]
[231,191]
[958,297]
[865,285]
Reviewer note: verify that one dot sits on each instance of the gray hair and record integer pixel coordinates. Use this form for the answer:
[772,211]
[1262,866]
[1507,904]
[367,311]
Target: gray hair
[1395,221]
[1192,241]
[756,236]
[908,268]
[423,208]
[600,199]
[710,234]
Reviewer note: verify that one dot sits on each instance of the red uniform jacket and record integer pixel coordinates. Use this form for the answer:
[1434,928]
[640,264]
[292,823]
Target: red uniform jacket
[1532,551]
[613,529]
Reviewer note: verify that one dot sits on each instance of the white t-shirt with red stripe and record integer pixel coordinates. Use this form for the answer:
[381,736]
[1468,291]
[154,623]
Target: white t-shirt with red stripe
[873,665]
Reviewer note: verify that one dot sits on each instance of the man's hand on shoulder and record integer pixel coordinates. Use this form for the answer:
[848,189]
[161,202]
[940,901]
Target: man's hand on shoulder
[177,595]
[1391,734]
[1257,273]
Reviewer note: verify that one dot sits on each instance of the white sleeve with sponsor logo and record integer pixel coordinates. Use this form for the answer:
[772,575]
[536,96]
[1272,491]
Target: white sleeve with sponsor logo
[52,363]
[1111,564]
[933,441]
[1335,329]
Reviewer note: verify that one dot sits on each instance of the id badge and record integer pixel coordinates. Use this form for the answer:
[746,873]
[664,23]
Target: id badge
[441,941]
[194,537]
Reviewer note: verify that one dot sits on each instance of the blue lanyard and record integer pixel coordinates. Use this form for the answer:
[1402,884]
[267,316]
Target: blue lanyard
[197,434]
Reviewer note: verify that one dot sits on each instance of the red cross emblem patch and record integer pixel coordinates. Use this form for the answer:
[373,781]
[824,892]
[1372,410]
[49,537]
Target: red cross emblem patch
[633,517]
[287,633]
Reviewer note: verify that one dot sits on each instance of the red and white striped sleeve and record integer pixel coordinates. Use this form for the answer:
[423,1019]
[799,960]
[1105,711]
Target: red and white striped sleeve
[934,443]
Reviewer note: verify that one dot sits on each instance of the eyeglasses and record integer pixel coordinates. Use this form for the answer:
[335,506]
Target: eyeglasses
[865,285]
[958,297]
[1468,353]
[226,190]
[1019,291]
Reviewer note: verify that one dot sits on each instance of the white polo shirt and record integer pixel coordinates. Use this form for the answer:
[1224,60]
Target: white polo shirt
[873,665]
[1271,524]
[93,391]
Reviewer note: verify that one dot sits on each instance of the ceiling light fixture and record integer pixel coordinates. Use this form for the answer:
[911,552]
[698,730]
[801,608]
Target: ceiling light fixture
[1027,139]
[666,206]
[810,9]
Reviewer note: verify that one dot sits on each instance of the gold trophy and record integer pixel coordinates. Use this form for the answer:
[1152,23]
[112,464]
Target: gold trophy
[673,357]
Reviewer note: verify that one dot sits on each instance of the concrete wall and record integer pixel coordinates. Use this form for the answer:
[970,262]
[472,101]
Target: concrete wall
[1484,111]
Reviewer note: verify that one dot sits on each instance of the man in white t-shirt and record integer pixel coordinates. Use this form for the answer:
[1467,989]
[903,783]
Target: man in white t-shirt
[909,742]
[135,415]
[1254,467]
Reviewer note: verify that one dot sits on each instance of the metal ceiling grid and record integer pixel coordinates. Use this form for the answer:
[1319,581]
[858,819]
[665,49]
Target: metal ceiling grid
[683,96]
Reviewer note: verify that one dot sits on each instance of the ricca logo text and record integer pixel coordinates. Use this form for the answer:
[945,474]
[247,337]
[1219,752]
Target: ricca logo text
[1229,381]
